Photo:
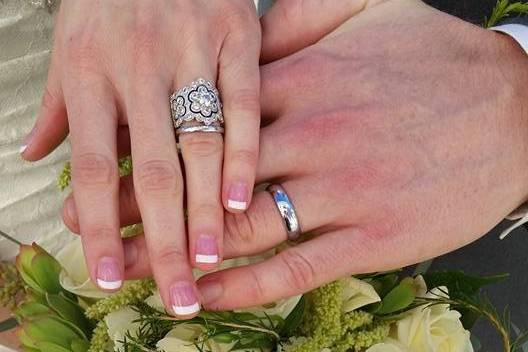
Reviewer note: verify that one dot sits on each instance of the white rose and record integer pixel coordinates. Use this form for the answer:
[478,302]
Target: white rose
[434,328]
[184,337]
[74,276]
[357,294]
[121,322]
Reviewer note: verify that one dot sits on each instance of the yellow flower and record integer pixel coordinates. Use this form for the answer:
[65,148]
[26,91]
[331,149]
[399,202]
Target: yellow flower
[434,328]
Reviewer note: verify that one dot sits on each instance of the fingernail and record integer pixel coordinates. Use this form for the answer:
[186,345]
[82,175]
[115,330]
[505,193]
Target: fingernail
[206,250]
[238,195]
[27,141]
[131,253]
[71,209]
[183,299]
[211,291]
[108,274]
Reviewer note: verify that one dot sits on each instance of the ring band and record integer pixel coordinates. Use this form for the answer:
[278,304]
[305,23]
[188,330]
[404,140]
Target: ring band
[197,108]
[200,128]
[287,211]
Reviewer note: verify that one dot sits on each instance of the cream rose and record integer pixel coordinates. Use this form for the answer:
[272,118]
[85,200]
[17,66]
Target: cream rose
[357,294]
[74,276]
[434,328]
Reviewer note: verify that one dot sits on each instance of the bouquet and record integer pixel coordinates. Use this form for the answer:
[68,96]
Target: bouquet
[57,308]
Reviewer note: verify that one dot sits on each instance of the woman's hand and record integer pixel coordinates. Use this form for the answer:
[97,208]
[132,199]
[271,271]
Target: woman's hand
[115,63]
[398,137]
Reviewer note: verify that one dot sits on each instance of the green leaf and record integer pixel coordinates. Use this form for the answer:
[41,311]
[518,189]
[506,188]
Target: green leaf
[384,284]
[51,347]
[80,346]
[45,270]
[69,311]
[25,340]
[31,309]
[254,341]
[460,284]
[399,298]
[294,319]
[23,265]
[225,338]
[8,324]
[50,329]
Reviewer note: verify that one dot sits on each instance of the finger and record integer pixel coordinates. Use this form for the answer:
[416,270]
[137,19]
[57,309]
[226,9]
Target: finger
[294,271]
[284,29]
[239,83]
[51,127]
[274,164]
[128,208]
[261,227]
[95,177]
[159,192]
[202,156]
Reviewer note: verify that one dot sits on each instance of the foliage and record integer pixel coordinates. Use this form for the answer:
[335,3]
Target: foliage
[504,9]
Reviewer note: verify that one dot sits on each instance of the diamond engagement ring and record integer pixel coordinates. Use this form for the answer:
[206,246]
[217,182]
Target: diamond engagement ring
[197,108]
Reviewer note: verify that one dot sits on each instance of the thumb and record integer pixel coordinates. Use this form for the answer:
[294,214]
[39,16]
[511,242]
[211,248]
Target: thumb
[291,25]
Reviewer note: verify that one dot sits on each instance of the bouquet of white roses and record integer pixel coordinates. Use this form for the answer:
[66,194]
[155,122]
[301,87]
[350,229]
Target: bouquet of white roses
[57,309]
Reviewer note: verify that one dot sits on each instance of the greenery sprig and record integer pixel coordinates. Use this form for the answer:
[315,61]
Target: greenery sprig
[504,9]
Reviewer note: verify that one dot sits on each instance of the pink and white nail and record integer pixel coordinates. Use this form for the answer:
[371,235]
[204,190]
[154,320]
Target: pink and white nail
[206,250]
[183,299]
[237,196]
[109,274]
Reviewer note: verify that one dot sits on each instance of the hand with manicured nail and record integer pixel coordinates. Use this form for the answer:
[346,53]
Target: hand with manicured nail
[396,136]
[114,67]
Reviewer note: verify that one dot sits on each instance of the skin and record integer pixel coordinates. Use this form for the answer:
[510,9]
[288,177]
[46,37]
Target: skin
[399,134]
[114,65]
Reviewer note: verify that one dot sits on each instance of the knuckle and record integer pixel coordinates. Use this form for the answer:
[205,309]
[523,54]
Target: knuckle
[256,292]
[201,145]
[94,169]
[205,211]
[159,177]
[299,271]
[167,256]
[81,51]
[239,231]
[247,157]
[98,234]
[237,14]
[245,100]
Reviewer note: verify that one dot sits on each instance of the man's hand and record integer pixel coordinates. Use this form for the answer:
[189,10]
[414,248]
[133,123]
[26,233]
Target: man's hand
[399,136]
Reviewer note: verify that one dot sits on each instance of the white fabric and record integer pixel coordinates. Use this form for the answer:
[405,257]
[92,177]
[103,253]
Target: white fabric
[30,202]
[519,32]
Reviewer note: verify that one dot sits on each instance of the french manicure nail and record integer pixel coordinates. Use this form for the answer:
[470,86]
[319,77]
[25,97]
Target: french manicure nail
[183,299]
[211,291]
[206,250]
[237,196]
[27,141]
[108,274]
[131,253]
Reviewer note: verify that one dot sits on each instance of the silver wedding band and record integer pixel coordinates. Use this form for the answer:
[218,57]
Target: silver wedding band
[287,211]
[197,108]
